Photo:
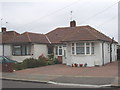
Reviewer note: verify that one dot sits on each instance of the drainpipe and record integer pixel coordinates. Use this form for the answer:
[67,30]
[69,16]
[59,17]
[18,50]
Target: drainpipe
[3,49]
[111,50]
[103,52]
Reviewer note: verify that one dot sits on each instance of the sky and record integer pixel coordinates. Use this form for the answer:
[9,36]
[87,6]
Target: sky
[42,16]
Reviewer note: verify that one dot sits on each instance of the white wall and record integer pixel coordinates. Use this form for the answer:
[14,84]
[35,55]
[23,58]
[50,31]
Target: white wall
[40,49]
[91,60]
[20,58]
[114,52]
[7,50]
[1,50]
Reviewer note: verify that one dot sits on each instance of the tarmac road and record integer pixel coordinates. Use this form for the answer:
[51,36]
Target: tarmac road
[20,84]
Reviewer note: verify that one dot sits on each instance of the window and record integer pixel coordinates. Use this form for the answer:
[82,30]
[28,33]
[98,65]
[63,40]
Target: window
[16,50]
[80,48]
[73,48]
[50,49]
[87,48]
[21,50]
[92,48]
[56,50]
[60,50]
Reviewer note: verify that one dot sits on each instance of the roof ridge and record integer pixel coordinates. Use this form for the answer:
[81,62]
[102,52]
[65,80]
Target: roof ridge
[92,33]
[47,39]
[28,36]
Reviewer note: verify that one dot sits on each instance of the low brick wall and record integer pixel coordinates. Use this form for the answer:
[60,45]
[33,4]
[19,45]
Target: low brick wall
[7,67]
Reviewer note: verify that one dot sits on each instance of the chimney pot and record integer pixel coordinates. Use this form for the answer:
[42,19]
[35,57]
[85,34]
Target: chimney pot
[73,23]
[3,29]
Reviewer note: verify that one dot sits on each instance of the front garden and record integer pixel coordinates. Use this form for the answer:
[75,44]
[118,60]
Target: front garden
[32,63]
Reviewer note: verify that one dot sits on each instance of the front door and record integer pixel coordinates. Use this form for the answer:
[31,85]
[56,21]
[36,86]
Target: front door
[64,56]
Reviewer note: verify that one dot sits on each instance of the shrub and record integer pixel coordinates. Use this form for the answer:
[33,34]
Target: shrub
[51,56]
[56,61]
[30,63]
[50,62]
[42,61]
[19,66]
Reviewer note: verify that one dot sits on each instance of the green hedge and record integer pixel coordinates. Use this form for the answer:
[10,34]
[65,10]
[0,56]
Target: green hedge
[32,63]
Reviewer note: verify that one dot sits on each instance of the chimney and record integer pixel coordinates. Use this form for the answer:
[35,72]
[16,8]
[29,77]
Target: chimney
[73,23]
[3,29]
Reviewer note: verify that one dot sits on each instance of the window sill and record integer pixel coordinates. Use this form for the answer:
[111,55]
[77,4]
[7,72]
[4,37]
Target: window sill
[22,55]
[83,55]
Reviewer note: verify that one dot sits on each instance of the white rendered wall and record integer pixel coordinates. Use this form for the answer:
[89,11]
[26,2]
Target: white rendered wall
[40,49]
[7,50]
[91,60]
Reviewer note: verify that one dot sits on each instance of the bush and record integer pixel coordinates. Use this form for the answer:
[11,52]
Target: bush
[56,61]
[42,61]
[51,56]
[50,62]
[30,63]
[19,66]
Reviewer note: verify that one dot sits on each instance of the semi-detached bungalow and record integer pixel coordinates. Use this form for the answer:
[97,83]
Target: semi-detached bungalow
[71,45]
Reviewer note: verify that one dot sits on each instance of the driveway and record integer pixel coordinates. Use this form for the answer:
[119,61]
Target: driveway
[109,70]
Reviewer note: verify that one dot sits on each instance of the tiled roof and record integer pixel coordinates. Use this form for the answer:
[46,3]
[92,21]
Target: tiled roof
[28,37]
[8,36]
[79,33]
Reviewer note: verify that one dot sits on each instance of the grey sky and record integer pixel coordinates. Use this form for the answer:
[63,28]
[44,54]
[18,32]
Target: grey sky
[45,15]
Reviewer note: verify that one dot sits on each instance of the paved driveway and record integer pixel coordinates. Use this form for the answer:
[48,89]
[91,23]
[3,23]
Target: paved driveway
[109,70]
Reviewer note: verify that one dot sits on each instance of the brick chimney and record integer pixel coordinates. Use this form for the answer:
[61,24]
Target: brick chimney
[73,23]
[3,29]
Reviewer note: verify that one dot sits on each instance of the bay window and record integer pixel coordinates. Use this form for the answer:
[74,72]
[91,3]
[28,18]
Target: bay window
[82,48]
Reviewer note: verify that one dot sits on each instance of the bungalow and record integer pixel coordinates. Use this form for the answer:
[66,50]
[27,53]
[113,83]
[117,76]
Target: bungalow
[71,45]
[21,46]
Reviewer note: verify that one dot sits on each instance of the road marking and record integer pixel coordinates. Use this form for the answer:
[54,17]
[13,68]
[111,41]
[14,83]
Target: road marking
[83,85]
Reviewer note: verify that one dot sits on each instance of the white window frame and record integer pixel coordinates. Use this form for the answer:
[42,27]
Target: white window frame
[59,49]
[85,46]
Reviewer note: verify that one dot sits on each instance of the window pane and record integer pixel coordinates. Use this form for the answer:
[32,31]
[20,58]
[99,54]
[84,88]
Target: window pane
[92,44]
[87,50]
[60,51]
[16,50]
[87,44]
[72,44]
[23,49]
[56,50]
[50,49]
[92,50]
[73,50]
[80,44]
[60,46]
[80,50]
[28,49]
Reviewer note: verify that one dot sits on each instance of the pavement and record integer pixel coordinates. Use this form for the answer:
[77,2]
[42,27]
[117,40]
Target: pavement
[63,75]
